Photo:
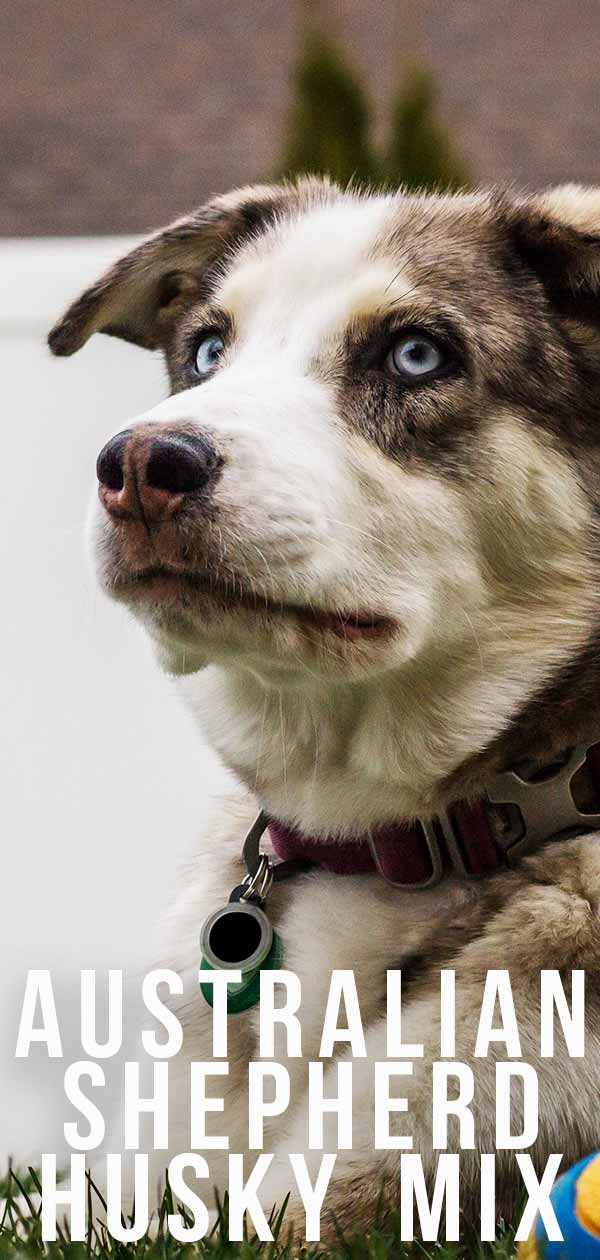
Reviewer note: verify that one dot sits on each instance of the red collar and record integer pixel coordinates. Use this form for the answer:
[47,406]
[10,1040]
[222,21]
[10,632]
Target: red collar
[514,818]
[399,852]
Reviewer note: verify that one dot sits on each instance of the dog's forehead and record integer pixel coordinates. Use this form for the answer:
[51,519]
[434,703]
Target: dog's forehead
[355,255]
[331,254]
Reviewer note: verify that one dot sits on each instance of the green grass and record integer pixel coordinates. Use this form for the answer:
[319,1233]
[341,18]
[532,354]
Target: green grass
[20,1236]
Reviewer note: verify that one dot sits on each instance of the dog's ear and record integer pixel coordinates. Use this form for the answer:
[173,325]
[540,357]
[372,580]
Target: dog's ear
[557,235]
[140,295]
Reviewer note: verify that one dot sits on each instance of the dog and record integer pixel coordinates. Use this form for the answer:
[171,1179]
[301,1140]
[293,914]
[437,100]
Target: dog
[362,531]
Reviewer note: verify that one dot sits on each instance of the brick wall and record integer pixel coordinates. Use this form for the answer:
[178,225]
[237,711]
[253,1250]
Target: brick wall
[118,115]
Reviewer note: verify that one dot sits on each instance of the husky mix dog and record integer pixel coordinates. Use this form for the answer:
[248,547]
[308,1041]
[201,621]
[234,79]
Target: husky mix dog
[363,531]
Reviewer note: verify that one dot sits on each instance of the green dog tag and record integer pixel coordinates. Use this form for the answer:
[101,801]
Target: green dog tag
[242,996]
[239,936]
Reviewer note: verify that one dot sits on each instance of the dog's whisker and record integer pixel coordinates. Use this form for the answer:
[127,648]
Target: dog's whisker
[476,638]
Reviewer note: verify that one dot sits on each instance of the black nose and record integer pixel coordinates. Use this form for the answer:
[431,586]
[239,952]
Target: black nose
[109,464]
[181,463]
[145,474]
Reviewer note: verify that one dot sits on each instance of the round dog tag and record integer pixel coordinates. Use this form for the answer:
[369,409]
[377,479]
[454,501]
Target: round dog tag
[239,936]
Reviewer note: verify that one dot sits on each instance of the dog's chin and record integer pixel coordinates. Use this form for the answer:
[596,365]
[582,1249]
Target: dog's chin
[196,618]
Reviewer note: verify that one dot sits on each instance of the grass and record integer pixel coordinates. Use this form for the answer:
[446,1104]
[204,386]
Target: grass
[20,1236]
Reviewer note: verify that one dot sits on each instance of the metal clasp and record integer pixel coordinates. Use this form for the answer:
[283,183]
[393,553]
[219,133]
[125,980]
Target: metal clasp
[255,888]
[547,808]
[435,857]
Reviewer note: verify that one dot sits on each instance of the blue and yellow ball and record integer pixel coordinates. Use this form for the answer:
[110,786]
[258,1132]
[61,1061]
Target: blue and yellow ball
[576,1202]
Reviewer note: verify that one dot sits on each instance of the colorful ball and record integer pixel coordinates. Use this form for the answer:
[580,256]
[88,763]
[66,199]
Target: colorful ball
[576,1202]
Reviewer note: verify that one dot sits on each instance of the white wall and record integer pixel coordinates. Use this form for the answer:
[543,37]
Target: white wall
[102,778]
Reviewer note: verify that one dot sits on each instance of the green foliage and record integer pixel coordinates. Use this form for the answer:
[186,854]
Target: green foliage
[420,154]
[330,127]
[20,1237]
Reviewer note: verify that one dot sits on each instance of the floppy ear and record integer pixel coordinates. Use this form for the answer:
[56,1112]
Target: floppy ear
[141,294]
[557,235]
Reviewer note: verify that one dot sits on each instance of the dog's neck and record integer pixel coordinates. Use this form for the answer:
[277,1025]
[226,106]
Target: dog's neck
[342,759]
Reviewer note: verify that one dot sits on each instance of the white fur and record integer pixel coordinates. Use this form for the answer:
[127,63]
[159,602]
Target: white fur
[336,739]
[489,588]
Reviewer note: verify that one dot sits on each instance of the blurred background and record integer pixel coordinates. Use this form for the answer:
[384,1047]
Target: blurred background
[114,119]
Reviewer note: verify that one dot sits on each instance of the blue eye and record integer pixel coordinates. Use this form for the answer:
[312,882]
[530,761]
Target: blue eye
[208,354]
[415,356]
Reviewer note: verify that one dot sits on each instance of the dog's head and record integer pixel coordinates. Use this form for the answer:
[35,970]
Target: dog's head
[381,446]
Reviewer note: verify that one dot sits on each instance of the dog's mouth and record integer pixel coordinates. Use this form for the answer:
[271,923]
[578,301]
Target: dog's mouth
[165,587]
